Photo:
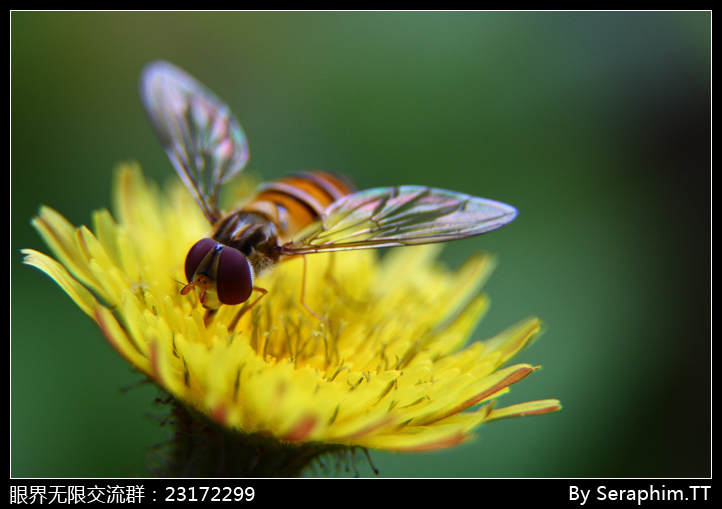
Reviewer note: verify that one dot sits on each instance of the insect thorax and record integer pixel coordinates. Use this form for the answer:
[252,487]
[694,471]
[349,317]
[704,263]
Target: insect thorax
[252,234]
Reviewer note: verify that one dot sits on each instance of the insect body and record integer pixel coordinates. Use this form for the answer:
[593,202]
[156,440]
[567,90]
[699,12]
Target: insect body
[256,234]
[300,214]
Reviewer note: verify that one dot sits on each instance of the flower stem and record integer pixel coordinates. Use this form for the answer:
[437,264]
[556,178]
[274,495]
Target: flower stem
[201,448]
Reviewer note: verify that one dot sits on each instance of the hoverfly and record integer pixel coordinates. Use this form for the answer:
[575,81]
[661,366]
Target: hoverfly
[306,213]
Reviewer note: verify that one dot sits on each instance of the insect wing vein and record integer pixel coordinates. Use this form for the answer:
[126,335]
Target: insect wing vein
[405,215]
[202,137]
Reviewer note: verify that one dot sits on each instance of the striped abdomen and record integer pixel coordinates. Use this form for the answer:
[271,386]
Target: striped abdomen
[280,210]
[294,201]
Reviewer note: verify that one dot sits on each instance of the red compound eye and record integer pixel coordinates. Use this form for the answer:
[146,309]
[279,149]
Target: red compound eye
[230,274]
[235,279]
[195,256]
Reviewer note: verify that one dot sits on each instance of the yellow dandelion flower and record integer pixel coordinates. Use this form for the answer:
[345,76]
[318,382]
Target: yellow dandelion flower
[389,369]
[266,385]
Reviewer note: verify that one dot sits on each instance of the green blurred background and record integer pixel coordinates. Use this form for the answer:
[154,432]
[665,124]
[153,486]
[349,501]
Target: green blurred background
[596,126]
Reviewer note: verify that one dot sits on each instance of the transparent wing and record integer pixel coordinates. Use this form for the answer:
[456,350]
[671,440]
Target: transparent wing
[400,216]
[201,136]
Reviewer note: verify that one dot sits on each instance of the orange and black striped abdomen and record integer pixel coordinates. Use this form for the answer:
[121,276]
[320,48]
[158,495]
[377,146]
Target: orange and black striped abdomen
[294,201]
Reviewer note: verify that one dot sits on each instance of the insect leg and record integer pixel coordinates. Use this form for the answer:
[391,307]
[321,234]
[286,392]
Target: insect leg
[247,307]
[303,293]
